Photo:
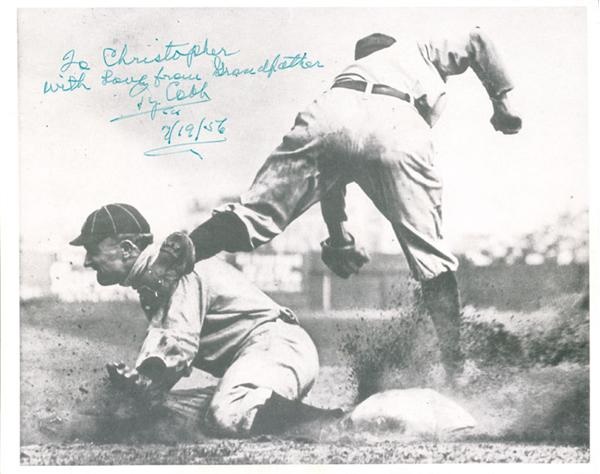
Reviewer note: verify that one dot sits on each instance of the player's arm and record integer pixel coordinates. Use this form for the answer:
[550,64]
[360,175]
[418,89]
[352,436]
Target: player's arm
[169,348]
[333,209]
[339,251]
[477,51]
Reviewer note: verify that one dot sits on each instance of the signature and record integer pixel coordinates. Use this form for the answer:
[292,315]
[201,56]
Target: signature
[156,107]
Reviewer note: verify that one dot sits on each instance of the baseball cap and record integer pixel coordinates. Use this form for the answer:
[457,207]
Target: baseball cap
[110,220]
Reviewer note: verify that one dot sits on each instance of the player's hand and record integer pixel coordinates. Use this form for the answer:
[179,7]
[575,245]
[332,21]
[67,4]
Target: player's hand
[345,260]
[140,395]
[124,377]
[505,119]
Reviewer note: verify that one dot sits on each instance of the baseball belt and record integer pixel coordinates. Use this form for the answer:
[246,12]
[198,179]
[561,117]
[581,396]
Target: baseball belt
[381,89]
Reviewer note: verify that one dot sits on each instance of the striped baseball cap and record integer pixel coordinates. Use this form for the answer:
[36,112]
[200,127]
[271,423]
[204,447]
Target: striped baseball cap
[111,220]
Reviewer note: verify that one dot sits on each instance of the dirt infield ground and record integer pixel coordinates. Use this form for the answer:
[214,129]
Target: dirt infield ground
[299,452]
[531,399]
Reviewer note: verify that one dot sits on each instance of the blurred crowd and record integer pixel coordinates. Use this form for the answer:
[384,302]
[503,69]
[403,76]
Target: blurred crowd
[562,242]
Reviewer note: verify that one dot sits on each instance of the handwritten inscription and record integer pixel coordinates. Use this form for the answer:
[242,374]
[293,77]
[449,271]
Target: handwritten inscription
[269,67]
[184,136]
[76,79]
[168,86]
[192,130]
[172,52]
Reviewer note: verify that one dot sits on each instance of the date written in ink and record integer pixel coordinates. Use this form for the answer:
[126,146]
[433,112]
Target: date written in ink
[193,131]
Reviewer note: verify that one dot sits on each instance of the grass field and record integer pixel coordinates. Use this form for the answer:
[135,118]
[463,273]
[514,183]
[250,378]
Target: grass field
[531,400]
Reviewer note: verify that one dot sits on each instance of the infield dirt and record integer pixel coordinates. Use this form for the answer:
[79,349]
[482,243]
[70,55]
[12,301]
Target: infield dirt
[531,397]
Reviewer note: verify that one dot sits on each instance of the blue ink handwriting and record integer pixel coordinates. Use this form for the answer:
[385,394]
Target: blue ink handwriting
[182,148]
[172,52]
[175,92]
[166,84]
[202,132]
[69,60]
[72,83]
[269,67]
[138,84]
[75,80]
[192,130]
[177,76]
[155,108]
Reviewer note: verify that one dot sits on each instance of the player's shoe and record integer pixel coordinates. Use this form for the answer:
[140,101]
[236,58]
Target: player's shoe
[175,259]
[278,414]
[505,120]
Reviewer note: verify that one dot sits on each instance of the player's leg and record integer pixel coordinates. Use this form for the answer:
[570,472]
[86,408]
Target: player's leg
[261,391]
[293,178]
[442,300]
[400,177]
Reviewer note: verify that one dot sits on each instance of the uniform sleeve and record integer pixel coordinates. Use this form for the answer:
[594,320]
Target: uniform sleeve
[474,50]
[333,205]
[173,338]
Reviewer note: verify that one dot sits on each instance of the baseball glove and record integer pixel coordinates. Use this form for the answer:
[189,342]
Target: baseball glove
[343,261]
[505,120]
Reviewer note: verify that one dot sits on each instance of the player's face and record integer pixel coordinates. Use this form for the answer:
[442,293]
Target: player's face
[106,257]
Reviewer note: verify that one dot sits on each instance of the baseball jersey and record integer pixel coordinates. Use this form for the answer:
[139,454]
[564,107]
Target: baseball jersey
[420,68]
[211,312]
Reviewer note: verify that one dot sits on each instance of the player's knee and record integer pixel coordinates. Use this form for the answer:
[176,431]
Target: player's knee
[231,412]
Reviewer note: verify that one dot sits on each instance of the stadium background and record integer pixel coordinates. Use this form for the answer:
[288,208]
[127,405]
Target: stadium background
[517,272]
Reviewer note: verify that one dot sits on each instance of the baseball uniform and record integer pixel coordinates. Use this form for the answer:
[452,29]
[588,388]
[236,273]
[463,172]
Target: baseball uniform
[373,127]
[219,322]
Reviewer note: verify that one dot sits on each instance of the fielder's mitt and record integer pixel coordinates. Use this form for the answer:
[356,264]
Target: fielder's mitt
[343,261]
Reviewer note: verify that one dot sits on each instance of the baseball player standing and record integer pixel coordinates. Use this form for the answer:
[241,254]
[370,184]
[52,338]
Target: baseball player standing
[215,320]
[373,127]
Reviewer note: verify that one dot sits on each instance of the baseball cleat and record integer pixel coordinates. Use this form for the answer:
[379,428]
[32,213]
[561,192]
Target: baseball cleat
[177,253]
[509,125]
[504,119]
[175,259]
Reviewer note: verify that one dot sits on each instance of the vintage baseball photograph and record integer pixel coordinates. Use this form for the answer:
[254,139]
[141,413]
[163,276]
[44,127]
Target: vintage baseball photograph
[306,236]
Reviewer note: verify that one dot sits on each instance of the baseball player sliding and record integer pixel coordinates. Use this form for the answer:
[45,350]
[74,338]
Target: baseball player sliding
[215,320]
[372,127]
